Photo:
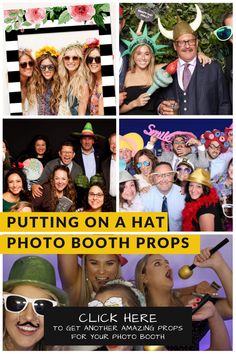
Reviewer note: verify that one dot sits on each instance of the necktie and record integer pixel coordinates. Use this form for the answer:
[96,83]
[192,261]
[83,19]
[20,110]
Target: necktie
[164,208]
[186,76]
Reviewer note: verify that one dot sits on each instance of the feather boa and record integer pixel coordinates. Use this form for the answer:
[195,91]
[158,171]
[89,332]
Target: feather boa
[191,208]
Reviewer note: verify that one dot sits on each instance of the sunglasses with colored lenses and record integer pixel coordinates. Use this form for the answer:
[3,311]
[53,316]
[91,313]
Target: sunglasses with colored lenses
[223,33]
[184,170]
[90,60]
[144,163]
[26,63]
[74,58]
[50,67]
[18,303]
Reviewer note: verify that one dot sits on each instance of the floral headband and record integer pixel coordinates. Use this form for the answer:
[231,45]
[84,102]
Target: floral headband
[47,50]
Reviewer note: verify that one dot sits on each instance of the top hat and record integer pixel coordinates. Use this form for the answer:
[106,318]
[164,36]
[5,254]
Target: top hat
[88,131]
[35,271]
[200,176]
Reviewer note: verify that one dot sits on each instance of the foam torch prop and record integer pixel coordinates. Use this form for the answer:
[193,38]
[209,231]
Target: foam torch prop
[186,271]
[162,77]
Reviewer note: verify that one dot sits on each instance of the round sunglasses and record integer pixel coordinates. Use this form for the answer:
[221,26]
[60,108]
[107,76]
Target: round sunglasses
[17,303]
[144,163]
[223,33]
[50,67]
[74,58]
[26,63]
[184,170]
[90,60]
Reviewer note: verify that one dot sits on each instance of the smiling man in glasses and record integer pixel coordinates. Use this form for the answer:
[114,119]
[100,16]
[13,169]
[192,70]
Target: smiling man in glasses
[29,291]
[198,90]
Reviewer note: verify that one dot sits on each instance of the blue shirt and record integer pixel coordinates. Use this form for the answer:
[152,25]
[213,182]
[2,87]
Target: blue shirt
[153,200]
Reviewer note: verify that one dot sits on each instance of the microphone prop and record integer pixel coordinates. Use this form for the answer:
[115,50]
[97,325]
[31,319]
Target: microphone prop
[162,77]
[186,271]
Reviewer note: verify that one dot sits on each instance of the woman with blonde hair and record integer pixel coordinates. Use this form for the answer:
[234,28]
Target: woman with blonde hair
[154,278]
[74,88]
[94,77]
[48,83]
[81,282]
[28,82]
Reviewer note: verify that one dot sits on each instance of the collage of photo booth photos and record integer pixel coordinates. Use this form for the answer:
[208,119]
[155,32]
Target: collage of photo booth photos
[153,82]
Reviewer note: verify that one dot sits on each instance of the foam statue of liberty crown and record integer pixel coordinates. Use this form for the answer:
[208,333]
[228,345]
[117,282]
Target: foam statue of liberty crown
[144,39]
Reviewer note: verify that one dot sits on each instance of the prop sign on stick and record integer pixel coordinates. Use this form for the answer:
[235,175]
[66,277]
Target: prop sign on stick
[144,14]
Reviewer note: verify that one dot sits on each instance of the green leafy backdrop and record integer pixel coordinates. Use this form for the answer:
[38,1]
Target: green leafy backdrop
[212,18]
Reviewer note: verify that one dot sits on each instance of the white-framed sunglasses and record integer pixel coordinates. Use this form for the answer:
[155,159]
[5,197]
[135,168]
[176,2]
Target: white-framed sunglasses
[15,303]
[111,302]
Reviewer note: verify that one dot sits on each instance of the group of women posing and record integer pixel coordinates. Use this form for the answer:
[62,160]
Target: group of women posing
[65,83]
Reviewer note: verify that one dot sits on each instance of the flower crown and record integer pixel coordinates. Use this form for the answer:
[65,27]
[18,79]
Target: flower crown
[144,39]
[47,50]
[136,292]
[91,43]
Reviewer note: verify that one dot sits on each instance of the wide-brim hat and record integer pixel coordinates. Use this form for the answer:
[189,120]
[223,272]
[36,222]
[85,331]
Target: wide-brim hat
[35,271]
[131,141]
[200,176]
[88,131]
[125,176]
[121,258]
[186,163]
[167,145]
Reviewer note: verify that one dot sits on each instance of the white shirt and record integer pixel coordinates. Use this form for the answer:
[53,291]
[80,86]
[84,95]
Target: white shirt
[112,190]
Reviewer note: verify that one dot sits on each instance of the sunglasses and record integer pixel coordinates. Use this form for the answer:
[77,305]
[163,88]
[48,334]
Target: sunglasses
[18,303]
[50,67]
[90,60]
[144,163]
[26,63]
[184,170]
[227,210]
[74,58]
[223,33]
[111,302]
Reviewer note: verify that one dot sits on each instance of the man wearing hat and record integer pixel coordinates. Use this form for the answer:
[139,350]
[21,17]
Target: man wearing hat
[198,90]
[29,291]
[66,155]
[86,156]
[181,148]
[129,144]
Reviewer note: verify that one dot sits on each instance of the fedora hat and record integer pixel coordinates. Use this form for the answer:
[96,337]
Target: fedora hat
[121,258]
[35,271]
[88,131]
[200,176]
[125,176]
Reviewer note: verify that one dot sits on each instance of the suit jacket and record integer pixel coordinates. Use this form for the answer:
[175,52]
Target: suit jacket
[48,169]
[209,94]
[79,159]
[105,170]
[198,160]
[124,65]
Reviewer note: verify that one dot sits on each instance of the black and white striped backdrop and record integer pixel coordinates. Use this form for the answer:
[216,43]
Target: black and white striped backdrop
[106,60]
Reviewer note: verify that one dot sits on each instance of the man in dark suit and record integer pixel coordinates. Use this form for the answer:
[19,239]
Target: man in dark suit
[198,90]
[86,156]
[109,170]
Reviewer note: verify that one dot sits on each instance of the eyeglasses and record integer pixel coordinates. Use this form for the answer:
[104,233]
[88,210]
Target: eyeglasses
[213,147]
[27,63]
[227,210]
[144,163]
[74,58]
[90,60]
[223,33]
[50,67]
[18,303]
[184,170]
[111,302]
[190,42]
[93,195]
[163,175]
[182,142]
